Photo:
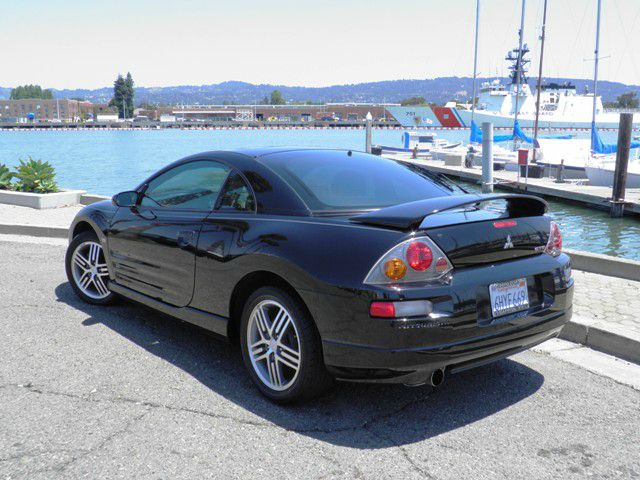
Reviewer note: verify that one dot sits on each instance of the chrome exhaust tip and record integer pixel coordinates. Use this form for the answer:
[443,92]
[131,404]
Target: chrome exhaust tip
[437,377]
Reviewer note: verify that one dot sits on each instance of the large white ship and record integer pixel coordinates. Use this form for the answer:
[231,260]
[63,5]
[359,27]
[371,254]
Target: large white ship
[560,105]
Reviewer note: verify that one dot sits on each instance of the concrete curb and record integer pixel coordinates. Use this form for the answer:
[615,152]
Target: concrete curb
[89,198]
[604,264]
[34,230]
[605,337]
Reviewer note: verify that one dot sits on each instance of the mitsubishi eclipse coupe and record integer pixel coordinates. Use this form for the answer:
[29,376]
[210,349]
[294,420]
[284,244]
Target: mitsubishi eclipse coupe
[329,264]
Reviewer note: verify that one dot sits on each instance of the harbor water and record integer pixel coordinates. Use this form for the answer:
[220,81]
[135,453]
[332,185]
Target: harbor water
[108,161]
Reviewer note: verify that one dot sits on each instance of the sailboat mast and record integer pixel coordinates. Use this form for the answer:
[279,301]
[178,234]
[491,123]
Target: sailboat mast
[475,62]
[539,83]
[519,69]
[595,67]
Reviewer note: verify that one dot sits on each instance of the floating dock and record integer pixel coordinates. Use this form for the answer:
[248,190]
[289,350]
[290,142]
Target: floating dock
[598,197]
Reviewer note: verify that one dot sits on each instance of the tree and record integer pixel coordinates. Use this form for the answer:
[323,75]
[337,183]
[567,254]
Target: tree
[413,101]
[129,92]
[628,100]
[30,91]
[277,98]
[123,96]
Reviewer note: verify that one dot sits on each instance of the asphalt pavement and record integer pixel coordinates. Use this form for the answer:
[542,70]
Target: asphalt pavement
[124,392]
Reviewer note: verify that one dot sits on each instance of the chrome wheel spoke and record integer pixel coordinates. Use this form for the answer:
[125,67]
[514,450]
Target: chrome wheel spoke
[280,324]
[85,280]
[274,372]
[102,269]
[101,287]
[260,350]
[261,321]
[289,356]
[94,253]
[81,261]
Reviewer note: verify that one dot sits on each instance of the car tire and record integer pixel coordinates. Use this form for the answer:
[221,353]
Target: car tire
[278,326]
[87,269]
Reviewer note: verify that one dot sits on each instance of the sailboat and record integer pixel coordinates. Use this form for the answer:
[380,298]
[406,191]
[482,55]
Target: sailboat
[600,167]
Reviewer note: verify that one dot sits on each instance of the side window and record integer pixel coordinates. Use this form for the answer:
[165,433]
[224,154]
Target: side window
[193,186]
[237,195]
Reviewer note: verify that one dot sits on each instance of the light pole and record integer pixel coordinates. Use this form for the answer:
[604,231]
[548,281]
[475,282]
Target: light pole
[368,122]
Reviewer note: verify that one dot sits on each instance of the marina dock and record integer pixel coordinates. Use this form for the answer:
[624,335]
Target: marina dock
[592,196]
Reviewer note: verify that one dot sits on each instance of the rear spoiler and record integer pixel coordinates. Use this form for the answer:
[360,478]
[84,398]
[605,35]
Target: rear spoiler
[410,215]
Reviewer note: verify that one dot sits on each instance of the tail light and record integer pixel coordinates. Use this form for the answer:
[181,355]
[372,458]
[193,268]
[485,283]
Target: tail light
[415,260]
[554,244]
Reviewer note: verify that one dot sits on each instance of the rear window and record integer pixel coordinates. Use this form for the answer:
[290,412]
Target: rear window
[335,180]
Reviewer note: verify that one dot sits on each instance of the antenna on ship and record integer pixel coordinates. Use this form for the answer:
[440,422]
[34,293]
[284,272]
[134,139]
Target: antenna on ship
[518,72]
[475,62]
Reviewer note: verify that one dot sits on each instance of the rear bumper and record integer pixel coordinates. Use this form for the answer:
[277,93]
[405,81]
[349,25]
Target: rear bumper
[415,365]
[358,347]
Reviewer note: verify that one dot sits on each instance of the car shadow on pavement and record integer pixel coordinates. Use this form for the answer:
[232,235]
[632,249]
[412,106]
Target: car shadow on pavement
[364,416]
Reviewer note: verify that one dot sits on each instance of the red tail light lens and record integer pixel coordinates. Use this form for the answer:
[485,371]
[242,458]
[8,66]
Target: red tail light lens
[554,244]
[382,310]
[419,256]
[505,223]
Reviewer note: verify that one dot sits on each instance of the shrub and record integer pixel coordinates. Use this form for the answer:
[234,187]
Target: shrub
[5,177]
[35,176]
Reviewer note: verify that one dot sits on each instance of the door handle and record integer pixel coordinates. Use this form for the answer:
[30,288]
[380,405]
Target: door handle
[185,238]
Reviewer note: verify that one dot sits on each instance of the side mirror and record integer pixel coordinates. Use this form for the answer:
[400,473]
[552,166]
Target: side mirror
[125,199]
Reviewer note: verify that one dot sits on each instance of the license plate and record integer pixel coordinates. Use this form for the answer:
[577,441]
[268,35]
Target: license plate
[509,297]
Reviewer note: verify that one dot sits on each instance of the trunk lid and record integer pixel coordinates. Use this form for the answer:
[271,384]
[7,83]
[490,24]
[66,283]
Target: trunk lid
[492,241]
[473,229]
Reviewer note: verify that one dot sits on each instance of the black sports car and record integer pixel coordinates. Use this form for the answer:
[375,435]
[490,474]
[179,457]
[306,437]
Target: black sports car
[326,264]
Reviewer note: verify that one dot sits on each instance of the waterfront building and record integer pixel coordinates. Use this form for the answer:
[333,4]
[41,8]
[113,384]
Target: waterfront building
[330,112]
[39,110]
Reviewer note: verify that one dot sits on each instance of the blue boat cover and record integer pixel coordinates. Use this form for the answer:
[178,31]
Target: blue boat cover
[598,146]
[476,135]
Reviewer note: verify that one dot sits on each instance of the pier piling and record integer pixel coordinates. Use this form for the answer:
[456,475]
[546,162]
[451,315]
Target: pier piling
[487,157]
[622,162]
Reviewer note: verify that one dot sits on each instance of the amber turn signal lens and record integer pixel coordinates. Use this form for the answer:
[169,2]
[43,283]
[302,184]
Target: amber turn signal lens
[395,269]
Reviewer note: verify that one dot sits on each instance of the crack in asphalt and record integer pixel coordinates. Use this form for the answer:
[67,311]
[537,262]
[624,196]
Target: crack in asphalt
[367,425]
[145,403]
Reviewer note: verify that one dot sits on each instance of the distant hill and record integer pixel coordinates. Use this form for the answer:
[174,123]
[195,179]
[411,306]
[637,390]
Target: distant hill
[437,90]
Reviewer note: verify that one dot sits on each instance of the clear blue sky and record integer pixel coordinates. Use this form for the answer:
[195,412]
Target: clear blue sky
[72,43]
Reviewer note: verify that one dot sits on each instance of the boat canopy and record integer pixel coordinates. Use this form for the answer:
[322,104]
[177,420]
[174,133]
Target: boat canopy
[476,135]
[598,146]
[420,137]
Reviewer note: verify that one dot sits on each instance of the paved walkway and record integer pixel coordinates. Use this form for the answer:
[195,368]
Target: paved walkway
[53,217]
[607,299]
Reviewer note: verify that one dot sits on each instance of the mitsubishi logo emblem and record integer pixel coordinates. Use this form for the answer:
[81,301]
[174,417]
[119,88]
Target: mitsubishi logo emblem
[508,244]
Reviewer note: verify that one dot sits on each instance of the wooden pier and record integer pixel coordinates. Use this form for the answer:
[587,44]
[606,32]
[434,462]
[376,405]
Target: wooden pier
[598,197]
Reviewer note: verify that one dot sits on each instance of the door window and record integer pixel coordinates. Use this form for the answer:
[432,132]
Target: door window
[192,186]
[237,195]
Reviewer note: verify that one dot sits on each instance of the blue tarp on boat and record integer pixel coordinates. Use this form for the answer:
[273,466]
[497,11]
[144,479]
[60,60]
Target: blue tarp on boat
[598,146]
[476,135]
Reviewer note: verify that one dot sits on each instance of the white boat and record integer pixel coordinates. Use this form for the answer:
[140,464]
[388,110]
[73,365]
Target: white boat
[600,172]
[560,105]
[426,142]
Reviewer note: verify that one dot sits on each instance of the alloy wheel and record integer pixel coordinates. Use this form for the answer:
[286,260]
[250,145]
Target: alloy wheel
[90,272]
[274,345]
